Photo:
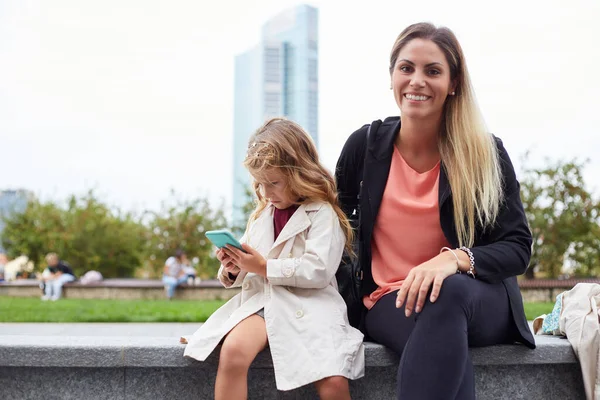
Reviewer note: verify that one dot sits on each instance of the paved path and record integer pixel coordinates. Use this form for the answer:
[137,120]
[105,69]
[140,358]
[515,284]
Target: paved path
[99,329]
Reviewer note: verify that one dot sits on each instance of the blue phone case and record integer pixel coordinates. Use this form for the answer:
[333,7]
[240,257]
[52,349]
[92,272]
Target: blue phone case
[221,238]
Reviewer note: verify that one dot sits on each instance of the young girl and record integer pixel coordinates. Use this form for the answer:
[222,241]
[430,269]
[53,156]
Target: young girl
[289,300]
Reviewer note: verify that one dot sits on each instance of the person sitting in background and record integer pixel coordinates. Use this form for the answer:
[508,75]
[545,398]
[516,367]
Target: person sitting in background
[45,277]
[19,265]
[174,273]
[190,274]
[60,273]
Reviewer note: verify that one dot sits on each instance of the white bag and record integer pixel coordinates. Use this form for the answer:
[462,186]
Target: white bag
[579,321]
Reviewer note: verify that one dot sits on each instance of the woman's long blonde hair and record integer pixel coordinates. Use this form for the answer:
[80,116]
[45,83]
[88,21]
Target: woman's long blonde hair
[283,145]
[468,151]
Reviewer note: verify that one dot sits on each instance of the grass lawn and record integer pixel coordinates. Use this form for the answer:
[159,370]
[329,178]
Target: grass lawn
[18,309]
[533,310]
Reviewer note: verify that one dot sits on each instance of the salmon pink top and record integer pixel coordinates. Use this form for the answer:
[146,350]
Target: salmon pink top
[407,231]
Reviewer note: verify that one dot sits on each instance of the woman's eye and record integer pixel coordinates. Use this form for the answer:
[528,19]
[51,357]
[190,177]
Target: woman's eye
[434,72]
[274,183]
[404,68]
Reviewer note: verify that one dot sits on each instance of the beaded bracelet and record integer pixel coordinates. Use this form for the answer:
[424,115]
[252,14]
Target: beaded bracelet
[471,270]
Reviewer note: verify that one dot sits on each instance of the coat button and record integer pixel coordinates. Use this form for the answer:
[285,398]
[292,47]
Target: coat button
[287,272]
[299,314]
[246,285]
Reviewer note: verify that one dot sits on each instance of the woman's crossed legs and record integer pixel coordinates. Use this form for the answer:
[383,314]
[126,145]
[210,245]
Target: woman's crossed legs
[434,344]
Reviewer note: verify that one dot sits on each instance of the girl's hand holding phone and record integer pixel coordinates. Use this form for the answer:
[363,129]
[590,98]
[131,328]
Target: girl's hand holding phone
[249,260]
[227,263]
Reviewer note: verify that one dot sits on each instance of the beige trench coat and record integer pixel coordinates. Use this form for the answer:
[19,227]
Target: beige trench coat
[307,325]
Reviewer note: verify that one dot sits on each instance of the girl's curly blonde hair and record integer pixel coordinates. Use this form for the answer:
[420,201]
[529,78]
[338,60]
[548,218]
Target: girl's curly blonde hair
[283,145]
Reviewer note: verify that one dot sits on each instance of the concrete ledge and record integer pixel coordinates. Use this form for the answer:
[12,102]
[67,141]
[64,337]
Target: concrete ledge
[145,352]
[119,367]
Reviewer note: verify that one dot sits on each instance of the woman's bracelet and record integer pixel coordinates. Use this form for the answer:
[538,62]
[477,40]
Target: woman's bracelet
[471,270]
[455,256]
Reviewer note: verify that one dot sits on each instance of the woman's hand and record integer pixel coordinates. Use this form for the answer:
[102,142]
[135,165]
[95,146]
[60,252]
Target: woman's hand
[228,265]
[416,285]
[250,261]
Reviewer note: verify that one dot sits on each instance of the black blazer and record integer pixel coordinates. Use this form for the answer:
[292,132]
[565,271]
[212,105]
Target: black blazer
[501,253]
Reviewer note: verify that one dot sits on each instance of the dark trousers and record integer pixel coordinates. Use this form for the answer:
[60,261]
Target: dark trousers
[434,344]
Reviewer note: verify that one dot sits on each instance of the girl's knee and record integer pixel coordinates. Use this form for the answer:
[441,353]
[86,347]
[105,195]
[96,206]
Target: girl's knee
[234,356]
[333,387]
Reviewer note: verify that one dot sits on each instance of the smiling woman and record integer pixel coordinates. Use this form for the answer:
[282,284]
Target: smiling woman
[421,80]
[442,231]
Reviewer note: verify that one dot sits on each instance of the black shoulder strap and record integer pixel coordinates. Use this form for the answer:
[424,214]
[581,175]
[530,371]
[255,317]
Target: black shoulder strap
[362,174]
[366,147]
[374,125]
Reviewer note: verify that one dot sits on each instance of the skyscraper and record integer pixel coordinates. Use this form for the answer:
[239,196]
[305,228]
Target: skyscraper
[278,77]
[12,201]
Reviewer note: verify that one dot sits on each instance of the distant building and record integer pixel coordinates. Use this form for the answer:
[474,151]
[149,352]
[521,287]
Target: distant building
[278,77]
[12,201]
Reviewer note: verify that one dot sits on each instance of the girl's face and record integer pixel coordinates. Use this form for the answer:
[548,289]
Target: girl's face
[421,80]
[274,187]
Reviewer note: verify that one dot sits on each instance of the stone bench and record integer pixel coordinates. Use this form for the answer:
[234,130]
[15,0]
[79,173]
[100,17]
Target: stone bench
[123,289]
[101,367]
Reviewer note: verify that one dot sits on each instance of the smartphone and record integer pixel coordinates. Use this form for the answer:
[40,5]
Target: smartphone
[221,238]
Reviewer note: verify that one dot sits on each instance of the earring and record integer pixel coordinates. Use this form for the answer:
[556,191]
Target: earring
[452,93]
[390,87]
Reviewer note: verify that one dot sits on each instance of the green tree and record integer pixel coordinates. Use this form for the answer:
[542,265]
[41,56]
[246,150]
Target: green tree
[563,217]
[33,232]
[585,254]
[86,233]
[181,224]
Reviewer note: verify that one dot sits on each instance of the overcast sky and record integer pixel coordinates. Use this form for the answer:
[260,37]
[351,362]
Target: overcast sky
[133,98]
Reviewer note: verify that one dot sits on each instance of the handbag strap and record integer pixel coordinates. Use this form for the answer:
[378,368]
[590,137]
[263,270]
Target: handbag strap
[360,185]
